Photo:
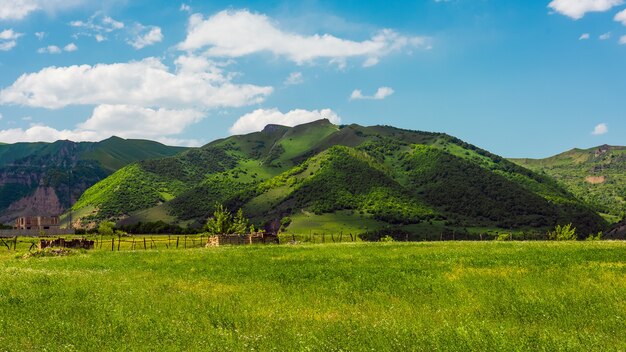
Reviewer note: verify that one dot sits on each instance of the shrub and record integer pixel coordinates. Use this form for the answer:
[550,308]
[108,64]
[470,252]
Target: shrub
[596,237]
[504,237]
[105,228]
[386,238]
[563,233]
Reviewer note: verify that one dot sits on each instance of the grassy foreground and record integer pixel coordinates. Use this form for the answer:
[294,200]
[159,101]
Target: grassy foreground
[358,296]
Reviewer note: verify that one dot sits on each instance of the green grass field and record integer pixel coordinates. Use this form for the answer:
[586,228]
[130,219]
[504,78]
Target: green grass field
[353,296]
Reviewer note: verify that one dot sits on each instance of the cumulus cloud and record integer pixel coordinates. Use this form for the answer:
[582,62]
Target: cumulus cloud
[185,8]
[97,26]
[50,49]
[381,93]
[142,83]
[19,9]
[622,40]
[146,36]
[621,17]
[70,47]
[236,33]
[53,49]
[138,99]
[258,119]
[40,35]
[8,39]
[604,36]
[584,36]
[294,78]
[129,121]
[577,9]
[120,120]
[600,129]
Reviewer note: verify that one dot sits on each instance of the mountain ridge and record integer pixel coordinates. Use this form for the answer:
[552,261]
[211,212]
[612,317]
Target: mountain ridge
[64,168]
[274,173]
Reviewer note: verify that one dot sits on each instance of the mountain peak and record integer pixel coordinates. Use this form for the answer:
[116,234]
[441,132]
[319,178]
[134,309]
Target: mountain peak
[272,128]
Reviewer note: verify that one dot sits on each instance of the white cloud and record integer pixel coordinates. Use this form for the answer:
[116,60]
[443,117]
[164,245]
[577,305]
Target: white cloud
[8,39]
[143,38]
[19,9]
[97,26]
[53,49]
[584,36]
[621,17]
[622,40]
[16,9]
[577,9]
[50,49]
[114,120]
[1,116]
[70,47]
[111,23]
[136,122]
[258,119]
[605,36]
[40,35]
[185,8]
[143,83]
[600,129]
[294,79]
[240,33]
[381,93]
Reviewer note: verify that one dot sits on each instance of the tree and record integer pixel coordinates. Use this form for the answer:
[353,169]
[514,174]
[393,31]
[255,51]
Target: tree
[221,221]
[105,228]
[284,223]
[239,223]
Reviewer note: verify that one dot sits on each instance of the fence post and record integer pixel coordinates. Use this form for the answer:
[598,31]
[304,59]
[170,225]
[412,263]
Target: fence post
[112,244]
[15,244]
[119,241]
[144,244]
[323,237]
[4,243]
[185,241]
[177,239]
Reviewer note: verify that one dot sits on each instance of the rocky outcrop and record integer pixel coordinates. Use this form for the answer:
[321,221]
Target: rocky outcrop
[617,232]
[44,201]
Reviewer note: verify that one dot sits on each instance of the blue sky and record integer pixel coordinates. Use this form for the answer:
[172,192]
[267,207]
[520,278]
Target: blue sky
[519,78]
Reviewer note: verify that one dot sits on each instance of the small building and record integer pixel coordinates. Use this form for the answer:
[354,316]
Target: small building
[37,223]
[251,238]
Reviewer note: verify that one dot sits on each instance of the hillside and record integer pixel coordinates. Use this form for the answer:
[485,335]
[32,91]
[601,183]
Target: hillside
[352,176]
[35,178]
[594,175]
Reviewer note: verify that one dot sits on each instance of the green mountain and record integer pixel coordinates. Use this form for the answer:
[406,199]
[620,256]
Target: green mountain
[43,178]
[594,175]
[344,178]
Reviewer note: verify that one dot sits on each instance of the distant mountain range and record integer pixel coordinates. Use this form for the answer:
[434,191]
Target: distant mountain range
[597,176]
[353,177]
[44,178]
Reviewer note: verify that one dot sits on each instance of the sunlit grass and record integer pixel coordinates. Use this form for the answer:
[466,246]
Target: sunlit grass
[352,296]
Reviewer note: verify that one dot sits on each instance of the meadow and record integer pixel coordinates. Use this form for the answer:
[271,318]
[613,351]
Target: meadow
[453,296]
